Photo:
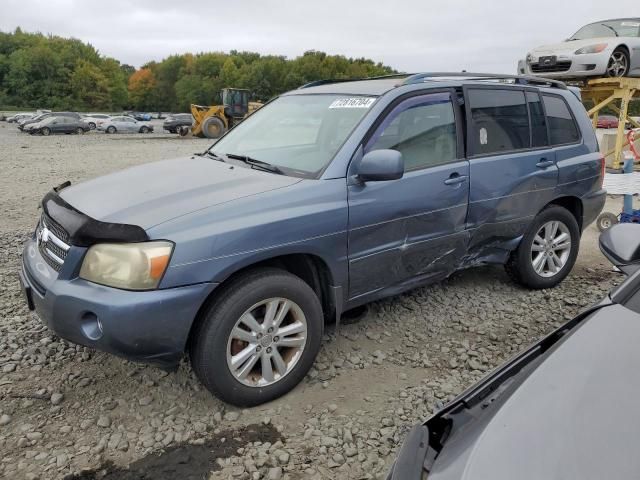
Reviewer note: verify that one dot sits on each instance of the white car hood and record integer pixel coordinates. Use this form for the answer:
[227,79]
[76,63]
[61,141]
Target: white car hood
[570,47]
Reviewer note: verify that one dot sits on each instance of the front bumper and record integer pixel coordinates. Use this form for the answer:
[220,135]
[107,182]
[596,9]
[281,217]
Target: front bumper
[151,326]
[586,65]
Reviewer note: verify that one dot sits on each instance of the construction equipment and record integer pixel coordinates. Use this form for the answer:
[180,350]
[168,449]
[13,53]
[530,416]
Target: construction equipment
[614,93]
[214,121]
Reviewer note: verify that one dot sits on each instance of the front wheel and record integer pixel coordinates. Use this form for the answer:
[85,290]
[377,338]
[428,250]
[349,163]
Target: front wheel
[111,129]
[80,131]
[45,131]
[144,130]
[547,251]
[259,338]
[618,65]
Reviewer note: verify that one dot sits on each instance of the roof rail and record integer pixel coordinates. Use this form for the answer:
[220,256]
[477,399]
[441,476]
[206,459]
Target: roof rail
[518,79]
[327,81]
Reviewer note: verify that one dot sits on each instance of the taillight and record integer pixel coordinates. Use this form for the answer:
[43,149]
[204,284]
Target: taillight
[603,164]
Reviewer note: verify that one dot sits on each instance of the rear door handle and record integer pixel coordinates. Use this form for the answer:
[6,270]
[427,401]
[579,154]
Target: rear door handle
[455,179]
[544,163]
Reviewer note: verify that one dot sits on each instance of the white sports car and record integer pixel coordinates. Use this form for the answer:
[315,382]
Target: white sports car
[609,48]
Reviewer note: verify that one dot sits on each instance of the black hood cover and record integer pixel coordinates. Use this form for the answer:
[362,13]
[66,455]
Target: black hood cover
[85,231]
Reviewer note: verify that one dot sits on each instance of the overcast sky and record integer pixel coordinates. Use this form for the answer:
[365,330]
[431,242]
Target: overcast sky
[409,35]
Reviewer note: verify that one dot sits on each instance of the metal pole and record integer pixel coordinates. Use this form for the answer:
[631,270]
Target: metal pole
[628,199]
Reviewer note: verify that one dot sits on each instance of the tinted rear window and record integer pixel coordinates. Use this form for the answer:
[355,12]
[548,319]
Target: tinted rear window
[500,121]
[562,126]
[538,121]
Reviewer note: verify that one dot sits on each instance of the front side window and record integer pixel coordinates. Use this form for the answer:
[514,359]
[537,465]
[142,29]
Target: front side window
[562,127]
[300,134]
[499,121]
[422,128]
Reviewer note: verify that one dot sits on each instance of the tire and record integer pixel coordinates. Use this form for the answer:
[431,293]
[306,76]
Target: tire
[618,64]
[92,126]
[80,131]
[184,131]
[213,127]
[520,265]
[144,130]
[46,131]
[212,345]
[111,129]
[606,220]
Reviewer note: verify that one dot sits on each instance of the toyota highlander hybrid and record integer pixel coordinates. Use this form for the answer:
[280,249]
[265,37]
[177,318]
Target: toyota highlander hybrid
[331,196]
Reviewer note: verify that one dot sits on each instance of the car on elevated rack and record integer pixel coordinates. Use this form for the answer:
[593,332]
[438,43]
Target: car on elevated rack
[545,413]
[327,198]
[607,48]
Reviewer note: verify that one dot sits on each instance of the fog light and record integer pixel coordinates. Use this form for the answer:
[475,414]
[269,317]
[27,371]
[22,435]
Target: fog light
[91,326]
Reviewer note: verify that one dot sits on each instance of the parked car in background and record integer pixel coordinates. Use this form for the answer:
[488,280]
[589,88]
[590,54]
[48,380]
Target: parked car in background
[329,197]
[19,116]
[140,116]
[176,121]
[604,48]
[57,124]
[73,115]
[545,413]
[93,119]
[125,124]
[607,121]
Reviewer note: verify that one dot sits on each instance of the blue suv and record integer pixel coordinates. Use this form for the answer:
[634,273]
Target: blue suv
[329,197]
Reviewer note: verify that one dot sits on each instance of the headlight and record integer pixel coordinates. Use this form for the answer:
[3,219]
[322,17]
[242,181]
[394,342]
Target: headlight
[131,266]
[591,49]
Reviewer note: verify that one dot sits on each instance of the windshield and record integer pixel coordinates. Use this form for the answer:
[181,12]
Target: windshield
[613,28]
[298,133]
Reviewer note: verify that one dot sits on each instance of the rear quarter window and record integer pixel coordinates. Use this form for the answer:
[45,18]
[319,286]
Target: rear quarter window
[562,127]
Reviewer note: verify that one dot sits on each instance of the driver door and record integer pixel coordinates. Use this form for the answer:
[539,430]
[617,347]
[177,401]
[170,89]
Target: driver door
[408,231]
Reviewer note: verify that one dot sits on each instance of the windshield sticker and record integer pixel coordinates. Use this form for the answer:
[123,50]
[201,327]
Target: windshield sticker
[357,102]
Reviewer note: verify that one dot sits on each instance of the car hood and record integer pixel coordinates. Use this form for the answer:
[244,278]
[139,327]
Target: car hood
[156,192]
[569,47]
[573,416]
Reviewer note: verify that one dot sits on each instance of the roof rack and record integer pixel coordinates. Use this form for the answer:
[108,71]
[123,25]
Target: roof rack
[343,80]
[518,79]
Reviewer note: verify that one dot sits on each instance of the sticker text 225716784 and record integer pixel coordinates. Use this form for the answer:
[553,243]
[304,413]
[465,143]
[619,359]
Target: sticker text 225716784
[355,102]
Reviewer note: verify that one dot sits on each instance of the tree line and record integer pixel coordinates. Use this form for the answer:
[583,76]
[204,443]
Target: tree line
[46,71]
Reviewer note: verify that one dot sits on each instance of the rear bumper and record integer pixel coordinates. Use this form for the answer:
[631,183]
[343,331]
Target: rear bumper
[592,206]
[151,326]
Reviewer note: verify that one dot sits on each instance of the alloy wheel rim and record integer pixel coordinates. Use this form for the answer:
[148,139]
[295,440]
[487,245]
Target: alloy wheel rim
[267,342]
[551,248]
[617,66]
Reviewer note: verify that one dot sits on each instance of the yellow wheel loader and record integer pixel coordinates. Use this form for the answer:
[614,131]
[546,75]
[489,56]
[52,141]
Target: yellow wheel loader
[214,121]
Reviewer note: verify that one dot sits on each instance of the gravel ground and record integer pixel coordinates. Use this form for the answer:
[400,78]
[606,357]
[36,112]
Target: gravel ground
[73,413]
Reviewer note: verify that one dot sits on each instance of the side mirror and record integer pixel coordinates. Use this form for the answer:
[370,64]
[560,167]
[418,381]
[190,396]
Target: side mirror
[381,165]
[621,245]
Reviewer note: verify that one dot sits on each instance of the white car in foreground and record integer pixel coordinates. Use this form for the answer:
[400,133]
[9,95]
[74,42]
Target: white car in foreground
[608,48]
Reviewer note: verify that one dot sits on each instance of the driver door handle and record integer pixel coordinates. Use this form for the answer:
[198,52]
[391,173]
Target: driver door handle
[455,179]
[544,163]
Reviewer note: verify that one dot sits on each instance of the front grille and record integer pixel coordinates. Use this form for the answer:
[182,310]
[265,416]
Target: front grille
[562,66]
[52,242]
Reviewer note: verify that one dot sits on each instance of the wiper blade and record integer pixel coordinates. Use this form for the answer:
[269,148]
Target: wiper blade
[610,28]
[210,155]
[254,162]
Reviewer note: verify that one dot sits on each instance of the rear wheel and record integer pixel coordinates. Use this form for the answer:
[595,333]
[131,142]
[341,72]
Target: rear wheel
[144,130]
[213,127]
[259,338]
[79,130]
[46,131]
[547,251]
[111,129]
[618,65]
